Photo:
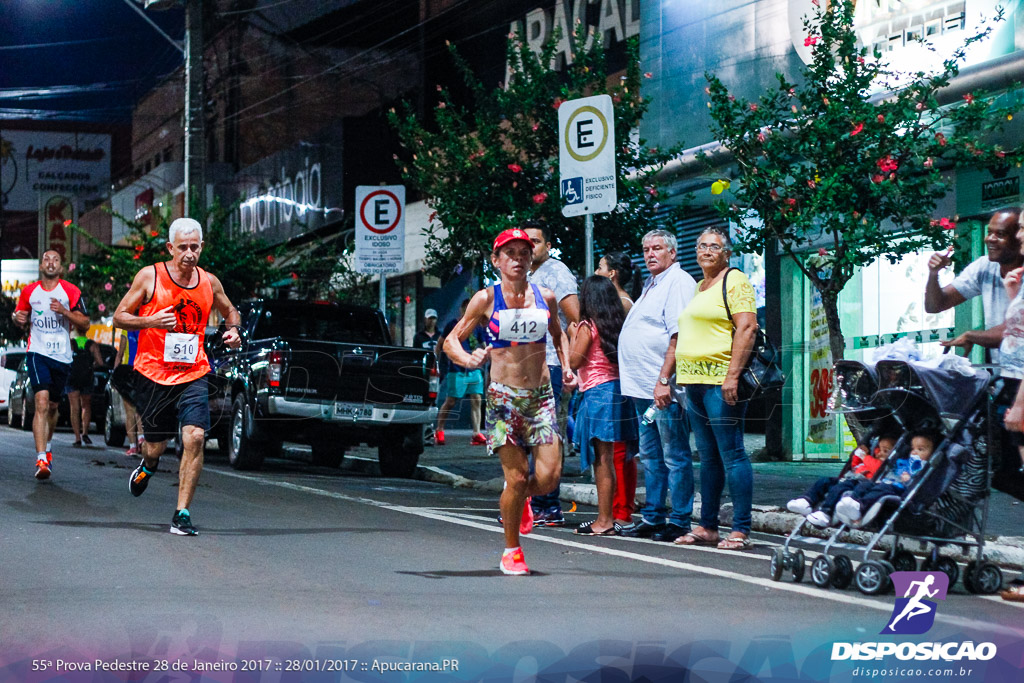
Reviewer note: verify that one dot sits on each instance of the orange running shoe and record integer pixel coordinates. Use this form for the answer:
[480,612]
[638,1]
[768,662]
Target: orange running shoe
[513,563]
[42,470]
[478,440]
[439,437]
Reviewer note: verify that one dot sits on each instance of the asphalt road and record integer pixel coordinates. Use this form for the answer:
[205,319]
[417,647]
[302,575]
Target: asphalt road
[299,567]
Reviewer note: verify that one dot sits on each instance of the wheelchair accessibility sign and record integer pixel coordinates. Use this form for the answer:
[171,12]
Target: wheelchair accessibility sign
[586,155]
[572,190]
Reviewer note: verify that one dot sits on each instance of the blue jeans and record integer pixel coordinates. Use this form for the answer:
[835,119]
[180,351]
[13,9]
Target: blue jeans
[668,464]
[718,431]
[551,501]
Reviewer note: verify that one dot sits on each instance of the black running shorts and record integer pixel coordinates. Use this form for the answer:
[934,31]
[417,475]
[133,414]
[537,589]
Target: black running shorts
[163,407]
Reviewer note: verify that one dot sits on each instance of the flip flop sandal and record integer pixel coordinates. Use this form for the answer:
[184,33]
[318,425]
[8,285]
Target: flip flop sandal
[690,538]
[735,543]
[587,529]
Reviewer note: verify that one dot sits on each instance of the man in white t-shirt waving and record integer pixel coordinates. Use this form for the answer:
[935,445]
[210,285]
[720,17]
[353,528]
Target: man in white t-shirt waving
[50,306]
[983,277]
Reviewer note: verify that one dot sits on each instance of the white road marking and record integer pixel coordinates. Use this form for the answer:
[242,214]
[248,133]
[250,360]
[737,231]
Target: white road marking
[808,591]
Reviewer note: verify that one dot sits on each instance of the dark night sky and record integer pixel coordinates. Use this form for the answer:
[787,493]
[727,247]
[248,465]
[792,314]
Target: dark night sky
[104,42]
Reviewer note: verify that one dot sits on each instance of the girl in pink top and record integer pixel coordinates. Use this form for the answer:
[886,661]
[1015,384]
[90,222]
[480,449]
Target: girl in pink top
[604,416]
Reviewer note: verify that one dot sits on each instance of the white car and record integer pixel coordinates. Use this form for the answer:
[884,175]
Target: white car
[10,361]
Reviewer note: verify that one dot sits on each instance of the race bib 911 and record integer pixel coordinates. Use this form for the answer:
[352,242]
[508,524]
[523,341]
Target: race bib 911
[522,325]
[56,344]
[181,348]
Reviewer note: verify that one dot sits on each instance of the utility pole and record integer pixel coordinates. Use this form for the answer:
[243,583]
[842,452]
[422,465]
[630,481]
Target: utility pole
[195,128]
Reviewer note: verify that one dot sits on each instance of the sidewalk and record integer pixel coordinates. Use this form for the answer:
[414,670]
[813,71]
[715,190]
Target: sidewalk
[461,465]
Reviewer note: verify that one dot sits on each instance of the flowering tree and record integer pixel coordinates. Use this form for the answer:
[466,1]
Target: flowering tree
[834,174]
[491,166]
[243,266]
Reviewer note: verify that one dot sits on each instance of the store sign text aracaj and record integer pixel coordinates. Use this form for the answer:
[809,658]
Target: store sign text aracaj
[380,228]
[586,155]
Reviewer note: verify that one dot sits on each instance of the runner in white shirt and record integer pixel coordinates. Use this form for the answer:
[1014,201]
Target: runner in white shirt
[51,305]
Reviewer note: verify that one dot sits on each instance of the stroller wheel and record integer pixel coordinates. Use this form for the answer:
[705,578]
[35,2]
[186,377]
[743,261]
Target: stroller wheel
[904,561]
[871,578]
[821,571]
[948,567]
[843,574]
[987,579]
[798,565]
[776,565]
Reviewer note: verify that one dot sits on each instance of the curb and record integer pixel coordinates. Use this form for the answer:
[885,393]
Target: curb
[1006,551]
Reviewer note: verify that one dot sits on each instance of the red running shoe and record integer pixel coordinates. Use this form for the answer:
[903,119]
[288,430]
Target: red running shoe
[526,525]
[478,440]
[513,563]
[439,437]
[42,470]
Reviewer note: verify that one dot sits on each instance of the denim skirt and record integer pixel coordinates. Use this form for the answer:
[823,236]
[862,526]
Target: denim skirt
[606,415]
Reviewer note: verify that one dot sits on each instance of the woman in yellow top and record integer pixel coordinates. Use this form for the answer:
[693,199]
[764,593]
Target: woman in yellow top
[710,353]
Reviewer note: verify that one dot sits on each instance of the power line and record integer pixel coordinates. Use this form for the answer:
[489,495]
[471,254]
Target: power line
[33,46]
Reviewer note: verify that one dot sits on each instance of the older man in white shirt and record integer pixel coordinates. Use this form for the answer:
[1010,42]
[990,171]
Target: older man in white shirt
[665,442]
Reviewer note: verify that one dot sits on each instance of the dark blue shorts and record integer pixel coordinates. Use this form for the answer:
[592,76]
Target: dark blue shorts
[47,374]
[163,407]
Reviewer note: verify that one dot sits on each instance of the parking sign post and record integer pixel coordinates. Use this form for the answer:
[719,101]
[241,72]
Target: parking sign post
[586,161]
[380,232]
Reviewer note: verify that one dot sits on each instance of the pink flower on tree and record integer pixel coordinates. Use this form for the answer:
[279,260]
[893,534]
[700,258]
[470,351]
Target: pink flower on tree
[857,128]
[109,286]
[810,40]
[71,267]
[753,106]
[822,251]
[540,197]
[515,168]
[969,98]
[101,308]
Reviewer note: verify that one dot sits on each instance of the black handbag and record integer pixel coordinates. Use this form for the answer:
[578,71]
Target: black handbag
[763,372]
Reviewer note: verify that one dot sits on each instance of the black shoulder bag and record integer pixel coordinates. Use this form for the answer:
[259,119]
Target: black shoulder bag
[763,371]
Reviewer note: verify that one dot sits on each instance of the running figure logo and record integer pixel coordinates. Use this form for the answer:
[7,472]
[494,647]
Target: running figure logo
[914,613]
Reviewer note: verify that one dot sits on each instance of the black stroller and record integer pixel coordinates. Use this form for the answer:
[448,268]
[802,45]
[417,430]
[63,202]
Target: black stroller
[946,504]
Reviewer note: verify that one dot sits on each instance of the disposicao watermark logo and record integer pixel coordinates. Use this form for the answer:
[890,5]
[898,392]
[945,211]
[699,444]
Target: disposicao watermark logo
[914,613]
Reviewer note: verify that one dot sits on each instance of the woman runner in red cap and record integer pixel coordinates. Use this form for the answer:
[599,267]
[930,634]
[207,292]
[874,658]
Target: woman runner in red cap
[520,406]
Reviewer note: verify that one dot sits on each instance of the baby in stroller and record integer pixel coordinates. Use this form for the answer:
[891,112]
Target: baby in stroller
[827,491]
[851,507]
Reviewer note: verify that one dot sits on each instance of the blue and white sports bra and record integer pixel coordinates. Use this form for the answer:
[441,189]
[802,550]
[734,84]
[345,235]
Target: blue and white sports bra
[515,326]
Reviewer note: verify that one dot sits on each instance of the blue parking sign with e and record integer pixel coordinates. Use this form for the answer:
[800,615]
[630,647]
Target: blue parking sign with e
[572,190]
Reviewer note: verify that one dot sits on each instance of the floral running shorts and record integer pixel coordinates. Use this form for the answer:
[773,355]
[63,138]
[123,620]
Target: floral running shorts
[521,417]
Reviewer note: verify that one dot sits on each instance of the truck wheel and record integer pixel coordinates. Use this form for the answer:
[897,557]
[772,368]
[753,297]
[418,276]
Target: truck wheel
[399,451]
[113,435]
[328,451]
[243,452]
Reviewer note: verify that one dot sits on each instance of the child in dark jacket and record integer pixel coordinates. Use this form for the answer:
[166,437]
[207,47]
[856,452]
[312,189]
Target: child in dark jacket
[893,483]
[827,491]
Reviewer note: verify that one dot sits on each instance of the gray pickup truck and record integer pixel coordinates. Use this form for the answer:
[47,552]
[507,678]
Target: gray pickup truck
[324,374]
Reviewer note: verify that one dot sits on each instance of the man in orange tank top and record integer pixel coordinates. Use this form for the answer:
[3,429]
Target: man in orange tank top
[169,304]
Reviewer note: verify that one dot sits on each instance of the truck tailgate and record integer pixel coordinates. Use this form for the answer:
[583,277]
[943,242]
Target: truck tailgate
[353,373]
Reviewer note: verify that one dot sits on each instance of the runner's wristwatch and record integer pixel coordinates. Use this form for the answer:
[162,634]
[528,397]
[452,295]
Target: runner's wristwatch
[663,380]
